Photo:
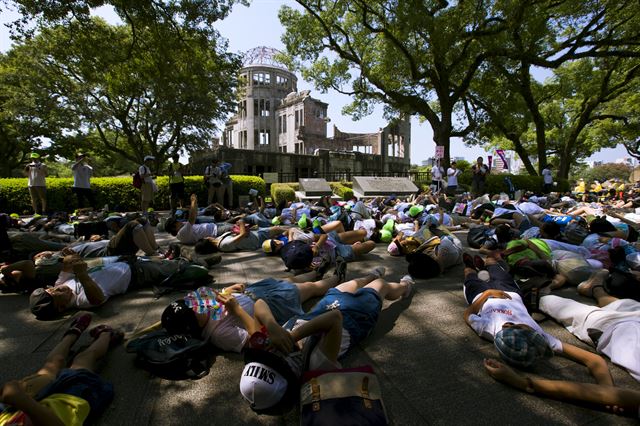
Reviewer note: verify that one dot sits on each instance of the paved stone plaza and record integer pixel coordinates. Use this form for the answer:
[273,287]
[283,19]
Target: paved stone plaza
[429,362]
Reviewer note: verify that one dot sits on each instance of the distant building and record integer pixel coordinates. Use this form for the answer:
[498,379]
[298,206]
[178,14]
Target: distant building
[274,117]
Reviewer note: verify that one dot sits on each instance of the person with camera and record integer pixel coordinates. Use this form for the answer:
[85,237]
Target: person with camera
[36,172]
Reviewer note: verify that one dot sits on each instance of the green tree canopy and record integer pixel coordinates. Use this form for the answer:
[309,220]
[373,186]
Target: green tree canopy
[165,95]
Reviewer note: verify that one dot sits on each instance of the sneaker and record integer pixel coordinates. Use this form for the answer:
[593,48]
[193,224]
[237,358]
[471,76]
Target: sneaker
[410,284]
[79,325]
[379,271]
[341,269]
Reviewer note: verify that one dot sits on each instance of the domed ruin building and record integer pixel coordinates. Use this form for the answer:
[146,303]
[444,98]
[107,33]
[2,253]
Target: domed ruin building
[273,117]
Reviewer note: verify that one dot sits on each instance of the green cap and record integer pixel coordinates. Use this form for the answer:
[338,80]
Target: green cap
[385,236]
[34,155]
[416,210]
[389,225]
[302,223]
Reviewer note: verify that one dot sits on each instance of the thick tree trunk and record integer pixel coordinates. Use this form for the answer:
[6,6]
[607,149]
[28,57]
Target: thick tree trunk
[519,149]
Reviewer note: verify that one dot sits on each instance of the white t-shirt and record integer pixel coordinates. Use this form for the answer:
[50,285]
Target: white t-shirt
[113,279]
[228,332]
[190,234]
[82,175]
[495,312]
[145,170]
[436,173]
[367,224]
[546,173]
[452,176]
[37,174]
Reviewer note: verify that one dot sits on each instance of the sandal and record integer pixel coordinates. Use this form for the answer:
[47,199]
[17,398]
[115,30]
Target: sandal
[116,335]
[478,263]
[79,325]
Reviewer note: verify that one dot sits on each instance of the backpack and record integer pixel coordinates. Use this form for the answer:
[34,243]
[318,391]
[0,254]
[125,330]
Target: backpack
[137,180]
[350,396]
[296,255]
[477,236]
[173,357]
[575,233]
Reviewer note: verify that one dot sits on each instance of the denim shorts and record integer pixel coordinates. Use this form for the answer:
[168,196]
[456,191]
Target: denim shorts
[360,310]
[84,384]
[343,250]
[282,297]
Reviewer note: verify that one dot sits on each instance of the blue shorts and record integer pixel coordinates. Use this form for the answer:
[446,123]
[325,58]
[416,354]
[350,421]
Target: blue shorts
[84,384]
[282,297]
[360,310]
[343,250]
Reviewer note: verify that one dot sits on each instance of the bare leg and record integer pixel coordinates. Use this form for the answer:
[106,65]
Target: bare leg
[388,290]
[151,236]
[311,289]
[57,358]
[602,297]
[88,358]
[356,283]
[363,248]
[141,240]
[335,225]
[351,237]
[303,278]
[558,281]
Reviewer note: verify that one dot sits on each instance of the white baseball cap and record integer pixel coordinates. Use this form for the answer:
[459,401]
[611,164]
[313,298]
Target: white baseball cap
[262,386]
[268,383]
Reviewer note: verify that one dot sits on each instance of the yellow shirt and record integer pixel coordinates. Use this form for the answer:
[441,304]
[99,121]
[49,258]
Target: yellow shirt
[70,409]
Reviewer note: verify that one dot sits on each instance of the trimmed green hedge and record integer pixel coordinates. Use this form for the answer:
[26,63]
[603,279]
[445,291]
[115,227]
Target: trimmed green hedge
[117,192]
[341,190]
[495,183]
[286,191]
[282,192]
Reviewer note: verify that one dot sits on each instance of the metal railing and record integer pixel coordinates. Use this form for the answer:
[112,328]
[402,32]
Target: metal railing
[347,176]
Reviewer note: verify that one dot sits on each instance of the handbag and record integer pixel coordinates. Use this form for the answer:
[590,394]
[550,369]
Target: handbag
[350,396]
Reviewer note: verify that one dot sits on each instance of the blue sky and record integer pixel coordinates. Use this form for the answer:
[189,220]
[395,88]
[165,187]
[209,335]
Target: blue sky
[258,25]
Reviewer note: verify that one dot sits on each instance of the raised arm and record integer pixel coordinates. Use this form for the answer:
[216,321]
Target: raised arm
[280,338]
[91,289]
[193,209]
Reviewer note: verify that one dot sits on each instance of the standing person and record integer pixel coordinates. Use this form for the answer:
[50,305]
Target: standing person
[452,178]
[227,183]
[480,172]
[436,177]
[36,171]
[176,183]
[548,179]
[82,172]
[146,190]
[212,175]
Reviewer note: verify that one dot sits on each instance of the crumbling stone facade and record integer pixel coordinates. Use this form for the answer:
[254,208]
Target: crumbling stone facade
[273,117]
